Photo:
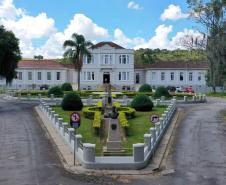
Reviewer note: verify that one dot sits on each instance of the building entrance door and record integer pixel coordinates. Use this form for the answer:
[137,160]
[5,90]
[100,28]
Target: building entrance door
[106,78]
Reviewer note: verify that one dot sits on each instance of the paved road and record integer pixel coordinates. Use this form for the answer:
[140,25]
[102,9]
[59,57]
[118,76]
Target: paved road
[26,155]
[198,153]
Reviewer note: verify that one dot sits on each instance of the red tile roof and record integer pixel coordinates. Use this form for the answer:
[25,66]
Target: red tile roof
[43,64]
[174,65]
[112,44]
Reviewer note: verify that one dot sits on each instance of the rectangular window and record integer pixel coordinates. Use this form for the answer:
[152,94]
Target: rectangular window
[172,76]
[200,76]
[93,76]
[48,75]
[190,76]
[127,75]
[105,59]
[84,75]
[39,75]
[162,76]
[29,75]
[153,74]
[89,59]
[181,76]
[124,76]
[119,76]
[58,75]
[19,75]
[137,78]
[124,59]
[88,75]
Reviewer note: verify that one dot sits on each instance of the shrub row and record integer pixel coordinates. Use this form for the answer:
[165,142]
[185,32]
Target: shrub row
[89,112]
[97,119]
[123,120]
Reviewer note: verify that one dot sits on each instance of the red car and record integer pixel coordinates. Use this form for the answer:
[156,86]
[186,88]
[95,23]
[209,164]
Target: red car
[189,90]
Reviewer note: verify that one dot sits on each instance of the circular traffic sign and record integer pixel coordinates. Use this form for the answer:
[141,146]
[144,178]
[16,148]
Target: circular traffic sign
[75,120]
[154,118]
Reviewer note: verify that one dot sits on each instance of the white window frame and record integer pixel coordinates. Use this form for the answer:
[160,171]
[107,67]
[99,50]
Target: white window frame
[20,75]
[172,76]
[181,75]
[190,76]
[123,59]
[58,72]
[163,76]
[47,75]
[39,72]
[29,75]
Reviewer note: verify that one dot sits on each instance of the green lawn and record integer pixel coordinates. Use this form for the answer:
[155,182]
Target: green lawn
[139,126]
[86,129]
[220,95]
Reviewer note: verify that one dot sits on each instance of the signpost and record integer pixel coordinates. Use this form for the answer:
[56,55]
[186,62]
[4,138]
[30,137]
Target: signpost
[154,118]
[75,122]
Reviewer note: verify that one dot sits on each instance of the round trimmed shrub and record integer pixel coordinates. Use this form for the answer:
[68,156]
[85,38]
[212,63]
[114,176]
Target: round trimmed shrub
[145,88]
[161,91]
[72,102]
[56,90]
[66,87]
[142,102]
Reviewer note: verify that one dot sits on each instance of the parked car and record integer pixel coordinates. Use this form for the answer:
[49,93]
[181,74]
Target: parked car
[171,88]
[189,90]
[44,87]
[180,89]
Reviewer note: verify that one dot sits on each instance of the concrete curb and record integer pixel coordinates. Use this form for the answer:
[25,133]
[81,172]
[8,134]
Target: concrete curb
[69,167]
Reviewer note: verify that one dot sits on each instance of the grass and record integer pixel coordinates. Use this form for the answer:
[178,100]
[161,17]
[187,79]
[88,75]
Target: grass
[218,94]
[139,126]
[85,129]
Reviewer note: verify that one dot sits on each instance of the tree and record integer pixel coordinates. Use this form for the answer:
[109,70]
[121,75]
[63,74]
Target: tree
[38,57]
[9,54]
[211,14]
[76,49]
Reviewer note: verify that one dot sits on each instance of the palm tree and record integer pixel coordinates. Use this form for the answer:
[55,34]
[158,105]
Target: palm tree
[77,48]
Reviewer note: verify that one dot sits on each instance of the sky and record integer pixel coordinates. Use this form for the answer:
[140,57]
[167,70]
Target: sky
[43,25]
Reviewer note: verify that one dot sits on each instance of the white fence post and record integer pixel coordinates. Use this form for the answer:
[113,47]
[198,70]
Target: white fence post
[138,152]
[89,152]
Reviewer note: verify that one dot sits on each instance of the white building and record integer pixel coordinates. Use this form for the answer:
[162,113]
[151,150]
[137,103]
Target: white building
[110,63]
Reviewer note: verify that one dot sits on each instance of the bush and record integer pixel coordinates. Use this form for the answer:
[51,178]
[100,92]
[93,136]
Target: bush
[89,112]
[142,103]
[122,119]
[66,87]
[145,88]
[72,102]
[161,91]
[56,90]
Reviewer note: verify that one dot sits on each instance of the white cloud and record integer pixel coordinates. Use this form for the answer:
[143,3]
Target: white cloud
[173,12]
[8,10]
[121,39]
[135,6]
[84,25]
[159,40]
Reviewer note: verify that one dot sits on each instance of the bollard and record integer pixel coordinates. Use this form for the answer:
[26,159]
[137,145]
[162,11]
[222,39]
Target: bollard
[64,125]
[153,135]
[138,152]
[71,132]
[60,121]
[161,123]
[157,129]
[89,152]
[194,98]
[185,98]
[56,118]
[52,96]
[78,140]
[147,140]
[158,102]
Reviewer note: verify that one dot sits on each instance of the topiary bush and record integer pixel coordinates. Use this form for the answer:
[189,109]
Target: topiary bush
[142,103]
[145,88]
[72,102]
[66,87]
[56,90]
[161,91]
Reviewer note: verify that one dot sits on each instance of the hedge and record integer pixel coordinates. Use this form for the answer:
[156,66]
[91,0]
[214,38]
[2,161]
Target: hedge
[122,119]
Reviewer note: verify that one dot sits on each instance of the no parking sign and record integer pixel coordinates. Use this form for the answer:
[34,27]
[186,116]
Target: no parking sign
[75,120]
[154,118]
